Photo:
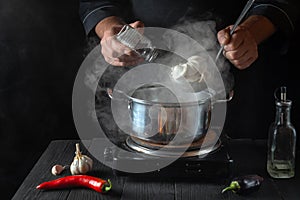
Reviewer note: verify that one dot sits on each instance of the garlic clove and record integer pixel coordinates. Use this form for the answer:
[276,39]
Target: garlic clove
[74,167]
[57,169]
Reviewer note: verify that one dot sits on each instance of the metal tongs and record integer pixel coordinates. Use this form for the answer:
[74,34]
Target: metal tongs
[242,15]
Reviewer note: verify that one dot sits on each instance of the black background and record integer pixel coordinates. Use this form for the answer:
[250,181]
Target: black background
[42,45]
[41,49]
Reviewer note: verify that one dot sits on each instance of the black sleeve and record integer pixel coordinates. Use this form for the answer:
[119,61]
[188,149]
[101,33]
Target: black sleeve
[282,13]
[93,11]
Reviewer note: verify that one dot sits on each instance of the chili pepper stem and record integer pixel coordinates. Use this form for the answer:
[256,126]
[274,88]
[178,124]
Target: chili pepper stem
[234,185]
[107,188]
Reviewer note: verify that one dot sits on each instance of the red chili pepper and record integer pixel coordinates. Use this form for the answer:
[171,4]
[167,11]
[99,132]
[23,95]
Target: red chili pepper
[91,182]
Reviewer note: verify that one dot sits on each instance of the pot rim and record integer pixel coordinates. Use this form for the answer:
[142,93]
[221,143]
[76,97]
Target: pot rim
[211,94]
[170,104]
[208,98]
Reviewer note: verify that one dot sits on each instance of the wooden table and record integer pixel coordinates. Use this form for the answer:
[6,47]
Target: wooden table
[249,157]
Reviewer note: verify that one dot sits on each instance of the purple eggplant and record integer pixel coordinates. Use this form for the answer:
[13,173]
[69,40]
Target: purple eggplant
[245,184]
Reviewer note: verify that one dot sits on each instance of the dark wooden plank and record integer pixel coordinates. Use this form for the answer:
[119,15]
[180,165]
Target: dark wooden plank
[198,190]
[193,190]
[58,152]
[148,189]
[101,171]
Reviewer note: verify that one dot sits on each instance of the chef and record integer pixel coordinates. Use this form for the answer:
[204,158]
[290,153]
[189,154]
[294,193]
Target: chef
[263,34]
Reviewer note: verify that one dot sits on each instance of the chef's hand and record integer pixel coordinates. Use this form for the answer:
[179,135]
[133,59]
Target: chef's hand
[241,48]
[114,52]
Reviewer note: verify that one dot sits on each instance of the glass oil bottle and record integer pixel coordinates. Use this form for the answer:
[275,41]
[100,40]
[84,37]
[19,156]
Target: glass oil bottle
[281,140]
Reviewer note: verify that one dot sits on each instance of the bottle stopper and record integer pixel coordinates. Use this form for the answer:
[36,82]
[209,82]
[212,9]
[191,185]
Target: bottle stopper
[283,94]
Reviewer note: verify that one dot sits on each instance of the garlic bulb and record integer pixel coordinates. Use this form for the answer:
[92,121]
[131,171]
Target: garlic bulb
[81,163]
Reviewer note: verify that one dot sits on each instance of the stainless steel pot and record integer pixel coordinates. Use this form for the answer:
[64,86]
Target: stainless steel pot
[157,116]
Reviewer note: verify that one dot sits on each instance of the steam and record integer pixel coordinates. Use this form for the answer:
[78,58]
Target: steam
[205,33]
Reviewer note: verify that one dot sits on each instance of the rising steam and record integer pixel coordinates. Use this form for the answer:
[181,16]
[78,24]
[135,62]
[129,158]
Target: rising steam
[197,67]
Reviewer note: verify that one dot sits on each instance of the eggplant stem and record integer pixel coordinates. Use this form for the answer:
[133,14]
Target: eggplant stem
[234,185]
[107,188]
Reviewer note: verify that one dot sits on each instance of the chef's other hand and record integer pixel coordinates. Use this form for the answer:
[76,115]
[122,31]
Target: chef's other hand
[114,52]
[240,48]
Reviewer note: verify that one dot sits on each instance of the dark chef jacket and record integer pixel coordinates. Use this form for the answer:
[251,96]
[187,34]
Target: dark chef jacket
[165,13]
[251,110]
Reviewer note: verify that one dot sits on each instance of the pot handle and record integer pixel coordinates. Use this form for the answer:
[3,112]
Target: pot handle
[228,98]
[127,99]
[110,92]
